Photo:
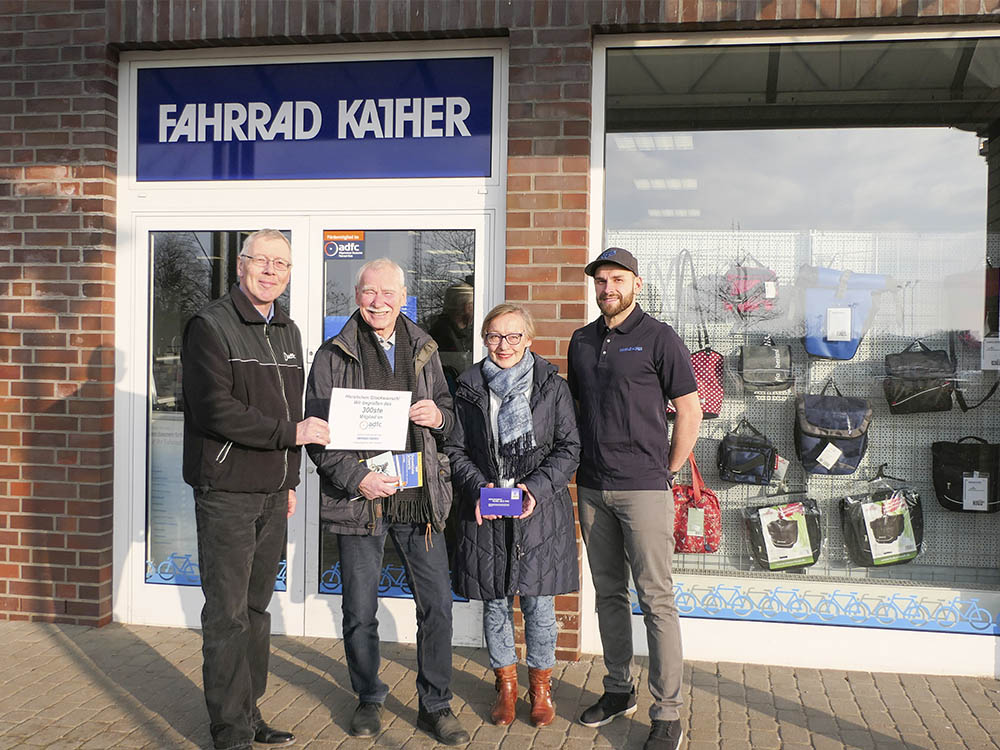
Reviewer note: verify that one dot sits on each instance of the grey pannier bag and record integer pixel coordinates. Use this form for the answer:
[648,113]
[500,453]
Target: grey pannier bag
[766,367]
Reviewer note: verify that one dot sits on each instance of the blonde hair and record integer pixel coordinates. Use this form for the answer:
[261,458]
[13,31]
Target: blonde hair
[506,308]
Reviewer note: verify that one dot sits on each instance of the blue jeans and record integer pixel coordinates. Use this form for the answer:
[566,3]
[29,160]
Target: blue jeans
[427,574]
[540,631]
[241,537]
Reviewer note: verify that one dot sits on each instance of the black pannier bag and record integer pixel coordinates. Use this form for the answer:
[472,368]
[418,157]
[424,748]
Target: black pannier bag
[831,432]
[785,535]
[746,456]
[766,367]
[883,526]
[919,380]
[960,468]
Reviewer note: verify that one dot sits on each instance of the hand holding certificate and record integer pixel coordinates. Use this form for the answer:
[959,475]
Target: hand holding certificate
[368,420]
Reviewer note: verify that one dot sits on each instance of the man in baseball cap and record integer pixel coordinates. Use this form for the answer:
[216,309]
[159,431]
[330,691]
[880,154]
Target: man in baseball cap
[620,366]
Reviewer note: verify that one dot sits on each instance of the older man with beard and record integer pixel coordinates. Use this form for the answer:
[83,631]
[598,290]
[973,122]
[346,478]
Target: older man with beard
[379,349]
[621,368]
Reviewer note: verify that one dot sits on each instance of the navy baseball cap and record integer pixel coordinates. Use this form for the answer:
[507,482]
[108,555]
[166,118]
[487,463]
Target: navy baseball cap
[615,255]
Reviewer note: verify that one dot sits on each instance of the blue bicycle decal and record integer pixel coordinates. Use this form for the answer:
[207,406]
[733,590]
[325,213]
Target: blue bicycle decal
[180,566]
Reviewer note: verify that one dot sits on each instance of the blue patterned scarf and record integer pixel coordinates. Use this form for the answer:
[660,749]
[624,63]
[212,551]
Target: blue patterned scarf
[517,437]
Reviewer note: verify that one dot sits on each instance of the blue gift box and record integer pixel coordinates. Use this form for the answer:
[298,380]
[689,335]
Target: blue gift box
[501,501]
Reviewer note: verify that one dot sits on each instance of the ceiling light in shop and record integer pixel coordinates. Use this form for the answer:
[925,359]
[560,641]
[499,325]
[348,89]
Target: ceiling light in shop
[668,183]
[674,213]
[659,142]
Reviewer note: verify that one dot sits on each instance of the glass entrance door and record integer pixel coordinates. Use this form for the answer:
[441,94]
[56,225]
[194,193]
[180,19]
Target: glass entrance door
[442,262]
[190,263]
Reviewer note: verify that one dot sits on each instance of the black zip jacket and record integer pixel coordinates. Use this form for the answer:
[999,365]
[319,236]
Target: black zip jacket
[243,380]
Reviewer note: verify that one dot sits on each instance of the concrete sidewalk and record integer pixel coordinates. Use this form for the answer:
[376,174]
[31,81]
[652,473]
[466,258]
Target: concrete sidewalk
[139,687]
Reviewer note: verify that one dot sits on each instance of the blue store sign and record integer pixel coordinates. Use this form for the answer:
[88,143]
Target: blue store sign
[297,121]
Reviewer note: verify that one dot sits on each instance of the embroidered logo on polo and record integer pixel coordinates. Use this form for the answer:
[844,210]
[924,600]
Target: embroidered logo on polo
[630,349]
[289,356]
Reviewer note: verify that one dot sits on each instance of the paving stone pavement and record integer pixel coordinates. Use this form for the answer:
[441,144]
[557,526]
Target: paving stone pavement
[75,688]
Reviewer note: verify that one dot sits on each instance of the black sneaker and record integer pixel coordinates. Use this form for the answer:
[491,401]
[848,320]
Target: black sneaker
[367,720]
[608,708]
[443,725]
[664,735]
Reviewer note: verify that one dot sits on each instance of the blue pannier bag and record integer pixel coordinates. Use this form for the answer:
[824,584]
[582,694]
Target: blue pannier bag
[831,432]
[827,289]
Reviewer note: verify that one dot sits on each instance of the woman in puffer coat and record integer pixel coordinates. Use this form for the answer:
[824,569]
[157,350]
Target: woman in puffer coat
[515,426]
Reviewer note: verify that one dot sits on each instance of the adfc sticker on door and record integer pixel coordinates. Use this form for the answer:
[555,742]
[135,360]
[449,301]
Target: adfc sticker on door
[343,245]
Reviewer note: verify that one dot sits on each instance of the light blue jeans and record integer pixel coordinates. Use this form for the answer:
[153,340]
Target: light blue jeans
[540,631]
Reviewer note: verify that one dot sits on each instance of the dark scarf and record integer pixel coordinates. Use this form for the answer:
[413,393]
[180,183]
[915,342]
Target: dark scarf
[517,436]
[412,504]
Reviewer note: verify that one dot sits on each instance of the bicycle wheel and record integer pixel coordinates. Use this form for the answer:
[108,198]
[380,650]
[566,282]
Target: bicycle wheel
[886,613]
[798,608]
[166,570]
[858,611]
[979,618]
[743,606]
[770,606]
[685,602]
[917,615]
[712,603]
[828,609]
[946,616]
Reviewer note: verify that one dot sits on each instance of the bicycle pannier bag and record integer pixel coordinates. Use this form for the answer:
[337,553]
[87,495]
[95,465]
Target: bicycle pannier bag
[831,432]
[766,367]
[839,307]
[784,536]
[883,527]
[749,290]
[746,456]
[697,516]
[919,379]
[965,474]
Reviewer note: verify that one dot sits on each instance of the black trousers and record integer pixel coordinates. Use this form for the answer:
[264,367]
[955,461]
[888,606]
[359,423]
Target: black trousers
[241,538]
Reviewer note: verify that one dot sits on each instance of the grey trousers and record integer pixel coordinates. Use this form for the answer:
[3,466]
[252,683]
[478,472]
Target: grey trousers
[635,528]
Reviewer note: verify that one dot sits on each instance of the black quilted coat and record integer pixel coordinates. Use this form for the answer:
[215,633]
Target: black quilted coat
[536,556]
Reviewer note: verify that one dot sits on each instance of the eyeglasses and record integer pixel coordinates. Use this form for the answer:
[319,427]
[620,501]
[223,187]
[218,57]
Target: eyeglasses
[493,339]
[278,264]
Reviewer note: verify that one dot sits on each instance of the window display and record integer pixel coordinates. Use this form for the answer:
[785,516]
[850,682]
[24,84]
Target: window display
[831,228]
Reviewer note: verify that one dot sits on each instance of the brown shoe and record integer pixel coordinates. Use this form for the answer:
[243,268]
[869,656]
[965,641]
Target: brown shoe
[503,710]
[540,692]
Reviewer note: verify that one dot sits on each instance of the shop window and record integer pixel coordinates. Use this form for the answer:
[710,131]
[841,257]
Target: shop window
[189,270]
[872,158]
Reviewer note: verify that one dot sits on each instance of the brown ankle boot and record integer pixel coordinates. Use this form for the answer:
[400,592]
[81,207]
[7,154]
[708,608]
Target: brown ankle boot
[540,692]
[503,710]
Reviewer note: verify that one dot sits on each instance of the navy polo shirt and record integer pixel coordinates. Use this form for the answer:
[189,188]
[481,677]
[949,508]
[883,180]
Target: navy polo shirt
[622,378]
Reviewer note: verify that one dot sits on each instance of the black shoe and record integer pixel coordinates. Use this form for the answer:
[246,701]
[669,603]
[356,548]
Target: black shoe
[367,720]
[608,708]
[269,736]
[664,735]
[443,725]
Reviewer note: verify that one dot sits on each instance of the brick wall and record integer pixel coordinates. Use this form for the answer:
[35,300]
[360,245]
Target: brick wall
[57,139]
[57,160]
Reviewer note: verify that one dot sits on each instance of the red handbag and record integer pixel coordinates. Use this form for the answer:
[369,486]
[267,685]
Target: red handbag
[697,516]
[706,362]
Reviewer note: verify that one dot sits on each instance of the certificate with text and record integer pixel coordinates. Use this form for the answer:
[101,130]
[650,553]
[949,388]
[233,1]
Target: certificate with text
[368,420]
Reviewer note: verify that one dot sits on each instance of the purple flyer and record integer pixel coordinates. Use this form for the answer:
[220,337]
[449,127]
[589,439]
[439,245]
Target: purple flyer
[501,501]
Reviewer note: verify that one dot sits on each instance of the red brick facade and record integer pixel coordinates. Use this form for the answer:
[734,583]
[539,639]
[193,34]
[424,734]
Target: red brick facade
[58,85]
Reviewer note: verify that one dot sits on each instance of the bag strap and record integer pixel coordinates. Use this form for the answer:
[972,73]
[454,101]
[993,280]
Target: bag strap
[973,437]
[744,422]
[829,382]
[686,262]
[697,483]
[959,395]
[923,347]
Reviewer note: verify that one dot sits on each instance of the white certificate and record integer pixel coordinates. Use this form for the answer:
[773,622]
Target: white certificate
[368,420]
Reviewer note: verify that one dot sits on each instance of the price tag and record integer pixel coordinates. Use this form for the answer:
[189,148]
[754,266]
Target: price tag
[780,467]
[770,290]
[829,456]
[696,522]
[975,487]
[991,354]
[838,324]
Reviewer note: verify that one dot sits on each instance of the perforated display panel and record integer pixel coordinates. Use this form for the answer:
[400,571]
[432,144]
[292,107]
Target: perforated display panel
[937,286]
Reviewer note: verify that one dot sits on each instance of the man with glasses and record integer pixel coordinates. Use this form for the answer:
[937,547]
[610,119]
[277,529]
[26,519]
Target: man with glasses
[379,349]
[243,425]
[623,368]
